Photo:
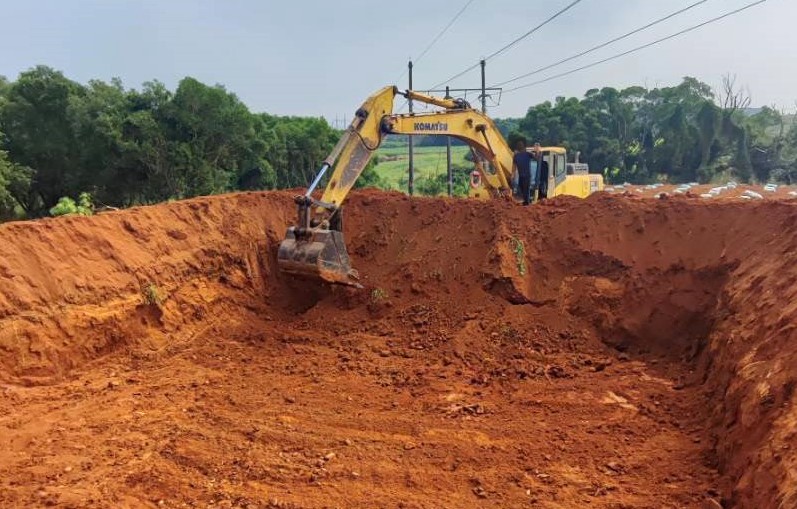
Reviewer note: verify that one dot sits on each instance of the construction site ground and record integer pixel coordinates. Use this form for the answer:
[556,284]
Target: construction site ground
[614,352]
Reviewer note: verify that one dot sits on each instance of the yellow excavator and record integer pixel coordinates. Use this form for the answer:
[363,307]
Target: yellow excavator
[314,247]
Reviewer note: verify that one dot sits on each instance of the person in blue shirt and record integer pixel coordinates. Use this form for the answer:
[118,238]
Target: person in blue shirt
[525,166]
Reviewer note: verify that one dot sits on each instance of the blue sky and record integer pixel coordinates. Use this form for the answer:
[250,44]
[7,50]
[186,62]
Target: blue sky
[323,58]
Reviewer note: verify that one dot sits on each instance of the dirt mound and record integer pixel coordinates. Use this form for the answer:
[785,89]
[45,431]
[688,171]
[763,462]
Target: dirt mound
[616,352]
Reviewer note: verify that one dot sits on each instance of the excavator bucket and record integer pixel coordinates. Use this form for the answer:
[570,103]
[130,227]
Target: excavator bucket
[316,253]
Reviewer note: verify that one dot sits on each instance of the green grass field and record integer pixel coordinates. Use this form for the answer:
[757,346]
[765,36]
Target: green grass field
[429,161]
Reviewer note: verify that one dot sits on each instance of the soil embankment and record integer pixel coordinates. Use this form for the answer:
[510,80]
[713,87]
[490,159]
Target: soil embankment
[616,352]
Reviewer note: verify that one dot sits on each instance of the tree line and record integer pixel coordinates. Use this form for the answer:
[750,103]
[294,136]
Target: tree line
[683,133]
[122,146]
[102,144]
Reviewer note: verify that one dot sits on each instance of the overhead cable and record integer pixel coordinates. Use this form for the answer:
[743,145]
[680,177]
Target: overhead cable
[507,46]
[602,45]
[638,48]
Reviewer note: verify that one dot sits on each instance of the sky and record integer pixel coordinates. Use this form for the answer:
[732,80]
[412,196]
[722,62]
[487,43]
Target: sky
[323,58]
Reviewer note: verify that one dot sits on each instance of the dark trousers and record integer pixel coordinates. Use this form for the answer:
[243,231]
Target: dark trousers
[524,186]
[543,183]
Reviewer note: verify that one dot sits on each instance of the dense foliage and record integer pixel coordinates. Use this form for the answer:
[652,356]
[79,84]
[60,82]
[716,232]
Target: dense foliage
[677,134]
[127,146]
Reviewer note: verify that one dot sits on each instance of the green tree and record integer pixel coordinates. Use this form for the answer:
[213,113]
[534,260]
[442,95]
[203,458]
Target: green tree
[211,135]
[675,133]
[709,121]
[98,118]
[298,146]
[39,134]
[14,183]
[767,133]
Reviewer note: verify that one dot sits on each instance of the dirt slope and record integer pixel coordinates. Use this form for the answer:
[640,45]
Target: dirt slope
[613,352]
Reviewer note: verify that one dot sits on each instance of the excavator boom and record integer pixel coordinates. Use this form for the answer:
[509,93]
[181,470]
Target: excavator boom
[315,246]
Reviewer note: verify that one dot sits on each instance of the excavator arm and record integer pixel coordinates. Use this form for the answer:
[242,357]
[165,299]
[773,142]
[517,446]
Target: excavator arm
[356,147]
[375,119]
[470,126]
[315,246]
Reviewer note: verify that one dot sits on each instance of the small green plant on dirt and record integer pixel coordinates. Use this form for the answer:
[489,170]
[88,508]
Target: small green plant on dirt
[520,254]
[66,206]
[152,295]
[378,294]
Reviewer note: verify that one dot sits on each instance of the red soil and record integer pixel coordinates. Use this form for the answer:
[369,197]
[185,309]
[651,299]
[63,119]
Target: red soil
[611,352]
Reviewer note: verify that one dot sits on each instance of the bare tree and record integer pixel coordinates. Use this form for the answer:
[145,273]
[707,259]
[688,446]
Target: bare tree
[731,97]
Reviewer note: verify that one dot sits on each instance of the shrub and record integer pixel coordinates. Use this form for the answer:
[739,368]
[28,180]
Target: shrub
[152,295]
[66,206]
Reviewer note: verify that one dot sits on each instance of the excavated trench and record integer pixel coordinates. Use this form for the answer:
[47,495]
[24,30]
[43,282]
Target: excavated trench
[614,352]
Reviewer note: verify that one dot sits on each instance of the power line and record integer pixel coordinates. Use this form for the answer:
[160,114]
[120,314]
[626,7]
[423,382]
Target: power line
[556,15]
[638,48]
[437,37]
[453,20]
[506,47]
[603,45]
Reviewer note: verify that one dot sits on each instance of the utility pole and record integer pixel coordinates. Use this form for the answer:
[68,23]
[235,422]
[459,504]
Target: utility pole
[448,90]
[448,155]
[411,177]
[484,89]
[485,163]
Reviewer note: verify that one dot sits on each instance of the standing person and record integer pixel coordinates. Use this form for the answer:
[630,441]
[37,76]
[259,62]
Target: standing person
[522,163]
